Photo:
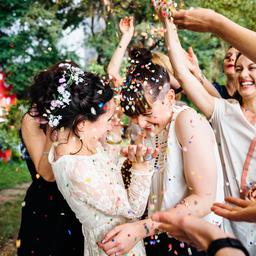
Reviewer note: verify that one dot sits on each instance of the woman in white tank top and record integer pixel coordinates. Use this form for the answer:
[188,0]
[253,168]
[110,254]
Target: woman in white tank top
[188,174]
[234,124]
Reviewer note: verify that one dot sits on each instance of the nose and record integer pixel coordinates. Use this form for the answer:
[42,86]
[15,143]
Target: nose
[232,57]
[142,121]
[244,73]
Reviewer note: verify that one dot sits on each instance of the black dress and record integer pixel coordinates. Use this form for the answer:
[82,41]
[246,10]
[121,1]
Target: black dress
[162,245]
[48,226]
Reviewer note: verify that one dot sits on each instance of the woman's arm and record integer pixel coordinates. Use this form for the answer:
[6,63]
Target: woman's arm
[192,87]
[199,163]
[89,186]
[206,20]
[127,29]
[124,237]
[38,146]
[196,71]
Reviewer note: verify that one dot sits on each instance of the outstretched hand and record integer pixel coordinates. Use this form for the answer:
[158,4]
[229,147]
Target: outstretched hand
[192,230]
[198,19]
[241,210]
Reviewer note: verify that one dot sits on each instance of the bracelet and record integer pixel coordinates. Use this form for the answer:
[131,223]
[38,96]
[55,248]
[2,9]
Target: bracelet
[221,243]
[45,153]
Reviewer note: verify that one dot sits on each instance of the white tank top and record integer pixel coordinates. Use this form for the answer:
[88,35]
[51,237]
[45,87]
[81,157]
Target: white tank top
[169,185]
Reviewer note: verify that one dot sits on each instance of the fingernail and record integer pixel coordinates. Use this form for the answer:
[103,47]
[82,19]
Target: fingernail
[103,241]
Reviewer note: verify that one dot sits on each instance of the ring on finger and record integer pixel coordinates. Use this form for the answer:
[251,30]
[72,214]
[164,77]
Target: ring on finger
[140,159]
[148,157]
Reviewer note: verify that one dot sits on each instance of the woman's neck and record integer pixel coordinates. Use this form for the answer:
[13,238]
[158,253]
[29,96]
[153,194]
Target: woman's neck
[230,85]
[249,105]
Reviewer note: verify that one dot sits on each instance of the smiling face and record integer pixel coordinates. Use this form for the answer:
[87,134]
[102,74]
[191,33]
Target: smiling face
[229,61]
[246,77]
[157,117]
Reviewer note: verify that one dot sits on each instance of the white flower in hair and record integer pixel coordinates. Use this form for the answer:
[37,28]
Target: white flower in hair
[54,120]
[70,74]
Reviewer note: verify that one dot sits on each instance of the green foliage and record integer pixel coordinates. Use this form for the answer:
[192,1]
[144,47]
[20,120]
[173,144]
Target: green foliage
[29,34]
[9,220]
[97,69]
[12,174]
[9,137]
[40,23]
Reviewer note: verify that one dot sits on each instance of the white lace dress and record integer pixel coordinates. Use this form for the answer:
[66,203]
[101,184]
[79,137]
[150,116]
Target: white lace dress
[94,189]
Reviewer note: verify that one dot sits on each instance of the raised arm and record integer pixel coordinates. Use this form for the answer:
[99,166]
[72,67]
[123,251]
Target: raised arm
[192,87]
[196,71]
[38,146]
[126,26]
[206,20]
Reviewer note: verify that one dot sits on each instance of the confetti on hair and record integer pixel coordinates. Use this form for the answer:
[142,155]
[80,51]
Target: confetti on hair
[93,111]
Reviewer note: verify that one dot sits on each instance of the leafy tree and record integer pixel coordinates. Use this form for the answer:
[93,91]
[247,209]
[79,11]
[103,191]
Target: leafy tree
[29,34]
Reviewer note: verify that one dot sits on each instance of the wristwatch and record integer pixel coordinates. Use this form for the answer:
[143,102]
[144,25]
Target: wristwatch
[224,243]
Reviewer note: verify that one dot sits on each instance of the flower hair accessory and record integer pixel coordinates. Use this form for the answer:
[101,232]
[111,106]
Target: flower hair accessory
[62,99]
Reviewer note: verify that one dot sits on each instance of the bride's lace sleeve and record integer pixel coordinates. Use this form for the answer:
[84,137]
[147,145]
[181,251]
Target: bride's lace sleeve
[105,192]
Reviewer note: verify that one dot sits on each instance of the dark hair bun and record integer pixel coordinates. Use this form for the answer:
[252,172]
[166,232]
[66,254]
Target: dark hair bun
[142,55]
[88,94]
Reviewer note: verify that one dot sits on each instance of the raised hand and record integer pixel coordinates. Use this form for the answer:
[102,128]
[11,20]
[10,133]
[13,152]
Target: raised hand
[198,19]
[241,210]
[126,26]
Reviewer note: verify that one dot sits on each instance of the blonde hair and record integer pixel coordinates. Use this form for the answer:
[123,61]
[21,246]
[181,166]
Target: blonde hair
[162,60]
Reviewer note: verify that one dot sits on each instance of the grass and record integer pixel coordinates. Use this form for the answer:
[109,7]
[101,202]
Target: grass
[13,173]
[9,220]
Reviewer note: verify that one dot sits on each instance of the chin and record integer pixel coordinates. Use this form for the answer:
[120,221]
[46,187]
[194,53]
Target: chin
[247,93]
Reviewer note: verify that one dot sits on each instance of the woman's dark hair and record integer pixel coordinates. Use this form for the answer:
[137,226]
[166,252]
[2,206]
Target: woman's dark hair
[237,96]
[87,96]
[142,74]
[237,57]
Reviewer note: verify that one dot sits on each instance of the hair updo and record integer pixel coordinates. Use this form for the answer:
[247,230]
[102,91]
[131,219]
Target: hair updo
[87,97]
[142,75]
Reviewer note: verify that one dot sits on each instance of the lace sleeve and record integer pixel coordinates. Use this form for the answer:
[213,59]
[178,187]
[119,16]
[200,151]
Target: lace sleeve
[104,190]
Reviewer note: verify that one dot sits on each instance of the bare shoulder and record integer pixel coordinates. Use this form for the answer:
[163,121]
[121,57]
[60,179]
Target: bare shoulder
[189,122]
[189,117]
[26,119]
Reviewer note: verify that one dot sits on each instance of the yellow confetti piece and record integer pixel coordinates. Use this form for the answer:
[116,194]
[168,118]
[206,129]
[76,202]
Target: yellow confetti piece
[18,243]
[88,180]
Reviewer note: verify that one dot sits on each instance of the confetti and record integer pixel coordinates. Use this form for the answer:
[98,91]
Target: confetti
[93,111]
[18,243]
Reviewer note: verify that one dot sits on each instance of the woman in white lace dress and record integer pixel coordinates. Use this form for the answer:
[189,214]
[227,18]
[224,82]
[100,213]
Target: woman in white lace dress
[79,109]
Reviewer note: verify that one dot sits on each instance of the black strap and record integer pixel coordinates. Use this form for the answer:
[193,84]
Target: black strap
[224,243]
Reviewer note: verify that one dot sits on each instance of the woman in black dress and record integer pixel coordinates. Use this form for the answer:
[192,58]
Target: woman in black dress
[48,226]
